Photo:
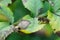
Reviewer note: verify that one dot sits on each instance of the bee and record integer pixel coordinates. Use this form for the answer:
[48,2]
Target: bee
[23,24]
[43,20]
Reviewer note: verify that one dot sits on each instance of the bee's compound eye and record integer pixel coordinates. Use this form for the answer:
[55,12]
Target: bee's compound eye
[18,28]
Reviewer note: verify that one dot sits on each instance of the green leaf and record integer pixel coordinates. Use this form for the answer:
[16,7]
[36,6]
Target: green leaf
[5,29]
[14,36]
[43,12]
[18,10]
[5,2]
[3,25]
[57,38]
[18,36]
[54,21]
[46,7]
[56,4]
[33,6]
[34,25]
[48,30]
[3,18]
[4,10]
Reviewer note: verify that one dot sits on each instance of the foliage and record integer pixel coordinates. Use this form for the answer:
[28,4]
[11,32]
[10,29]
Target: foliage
[41,14]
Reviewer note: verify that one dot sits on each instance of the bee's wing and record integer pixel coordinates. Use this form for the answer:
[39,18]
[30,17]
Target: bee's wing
[23,24]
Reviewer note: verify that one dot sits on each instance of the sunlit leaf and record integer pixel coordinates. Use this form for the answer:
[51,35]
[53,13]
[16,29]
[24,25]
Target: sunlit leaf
[34,25]
[5,2]
[56,4]
[3,18]
[33,6]
[3,25]
[54,21]
[48,30]
[4,10]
